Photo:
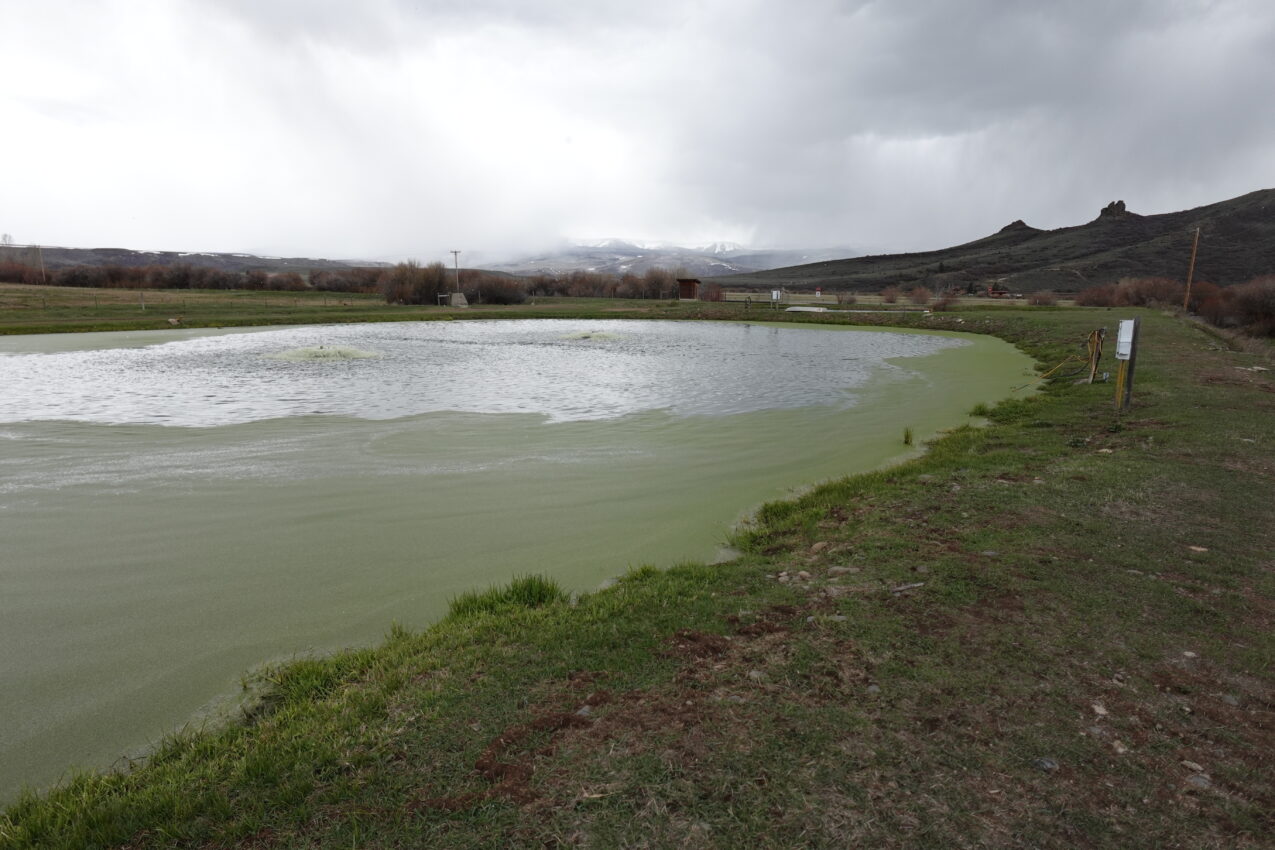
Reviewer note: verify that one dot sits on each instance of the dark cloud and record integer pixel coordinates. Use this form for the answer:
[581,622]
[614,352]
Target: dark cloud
[394,127]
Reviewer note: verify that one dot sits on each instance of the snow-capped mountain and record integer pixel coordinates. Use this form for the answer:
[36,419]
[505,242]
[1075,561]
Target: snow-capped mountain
[620,256]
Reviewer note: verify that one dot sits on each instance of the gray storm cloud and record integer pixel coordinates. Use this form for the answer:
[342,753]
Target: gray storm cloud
[393,128]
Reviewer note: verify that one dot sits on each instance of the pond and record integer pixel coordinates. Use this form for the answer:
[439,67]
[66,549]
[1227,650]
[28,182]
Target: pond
[177,508]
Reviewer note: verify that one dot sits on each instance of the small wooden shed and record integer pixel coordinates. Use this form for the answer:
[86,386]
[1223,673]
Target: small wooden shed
[688,289]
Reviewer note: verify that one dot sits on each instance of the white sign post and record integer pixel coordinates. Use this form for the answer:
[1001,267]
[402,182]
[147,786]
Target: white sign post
[1124,339]
[1127,355]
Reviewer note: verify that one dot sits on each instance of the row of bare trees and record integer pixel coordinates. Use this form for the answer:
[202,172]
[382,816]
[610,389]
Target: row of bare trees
[411,283]
[184,276]
[1247,306]
[404,283]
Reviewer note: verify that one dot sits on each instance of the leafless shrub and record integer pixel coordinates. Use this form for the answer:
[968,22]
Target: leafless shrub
[13,272]
[1201,291]
[411,283]
[1253,305]
[1148,291]
[1097,296]
[486,288]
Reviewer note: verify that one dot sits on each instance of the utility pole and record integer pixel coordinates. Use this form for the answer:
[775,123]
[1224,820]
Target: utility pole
[1190,272]
[456,261]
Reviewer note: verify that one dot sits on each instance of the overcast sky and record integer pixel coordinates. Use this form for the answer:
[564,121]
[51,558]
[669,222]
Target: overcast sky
[393,128]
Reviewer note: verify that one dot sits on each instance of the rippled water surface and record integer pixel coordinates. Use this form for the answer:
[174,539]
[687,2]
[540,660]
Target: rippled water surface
[565,370]
[176,508]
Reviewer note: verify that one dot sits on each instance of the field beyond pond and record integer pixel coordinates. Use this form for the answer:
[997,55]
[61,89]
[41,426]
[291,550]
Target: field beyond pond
[26,309]
[1055,631]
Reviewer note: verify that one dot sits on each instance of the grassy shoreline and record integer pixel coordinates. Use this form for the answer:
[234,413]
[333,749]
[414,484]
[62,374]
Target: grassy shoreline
[1054,631]
[26,309]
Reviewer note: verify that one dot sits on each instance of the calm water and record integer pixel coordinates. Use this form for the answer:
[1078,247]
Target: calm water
[176,508]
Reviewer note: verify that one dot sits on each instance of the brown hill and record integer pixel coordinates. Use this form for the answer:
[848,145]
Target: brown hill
[1237,243]
[59,258]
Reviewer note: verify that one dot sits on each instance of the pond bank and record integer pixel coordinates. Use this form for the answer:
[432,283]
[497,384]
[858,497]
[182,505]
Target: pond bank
[1057,628]
[229,522]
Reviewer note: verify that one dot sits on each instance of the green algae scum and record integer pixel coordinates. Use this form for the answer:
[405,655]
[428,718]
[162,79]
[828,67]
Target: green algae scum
[179,509]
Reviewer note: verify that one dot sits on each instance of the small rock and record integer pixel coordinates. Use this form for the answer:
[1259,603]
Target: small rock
[803,575]
[989,553]
[1099,709]
[1197,548]
[1193,766]
[756,675]
[925,479]
[784,579]
[955,488]
[1038,481]
[1229,699]
[810,619]
[840,571]
[874,689]
[1097,731]
[818,547]
[1199,780]
[904,588]
[735,698]
[838,618]
[1189,654]
[584,710]
[1119,747]
[920,568]
[1047,765]
[1106,451]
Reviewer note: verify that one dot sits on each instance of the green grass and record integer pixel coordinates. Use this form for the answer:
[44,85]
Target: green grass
[532,591]
[50,309]
[908,658]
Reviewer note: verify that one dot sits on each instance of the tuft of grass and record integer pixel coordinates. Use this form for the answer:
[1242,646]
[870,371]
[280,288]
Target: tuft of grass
[981,409]
[907,436]
[530,591]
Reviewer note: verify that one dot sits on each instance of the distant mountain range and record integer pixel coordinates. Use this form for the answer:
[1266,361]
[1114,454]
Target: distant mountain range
[613,256]
[1237,243]
[618,257]
[57,258]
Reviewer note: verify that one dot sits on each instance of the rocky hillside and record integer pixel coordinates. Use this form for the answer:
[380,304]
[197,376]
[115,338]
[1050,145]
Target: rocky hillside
[1237,243]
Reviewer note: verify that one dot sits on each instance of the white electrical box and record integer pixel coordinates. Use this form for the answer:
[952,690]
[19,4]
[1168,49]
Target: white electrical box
[1124,340]
[774,294]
